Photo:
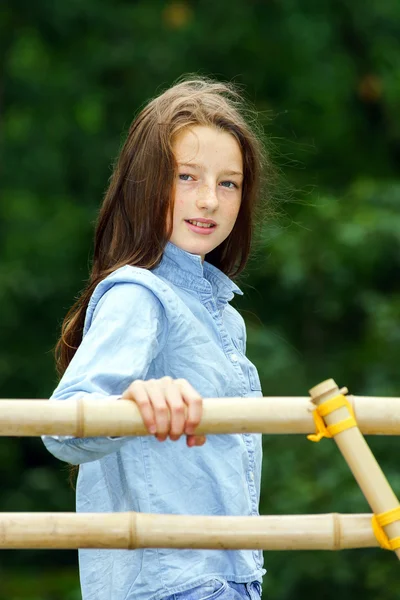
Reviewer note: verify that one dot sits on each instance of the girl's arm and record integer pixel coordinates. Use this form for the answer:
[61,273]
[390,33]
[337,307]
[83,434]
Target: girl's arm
[126,334]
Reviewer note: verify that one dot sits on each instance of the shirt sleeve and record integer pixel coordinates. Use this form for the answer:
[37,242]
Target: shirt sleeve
[126,333]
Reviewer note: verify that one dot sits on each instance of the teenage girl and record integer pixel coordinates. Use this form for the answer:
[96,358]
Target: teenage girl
[154,325]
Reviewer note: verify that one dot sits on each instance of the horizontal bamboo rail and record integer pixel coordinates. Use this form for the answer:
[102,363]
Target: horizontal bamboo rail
[270,415]
[132,530]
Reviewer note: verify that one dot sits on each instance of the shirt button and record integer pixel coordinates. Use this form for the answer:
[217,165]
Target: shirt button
[234,357]
[251,475]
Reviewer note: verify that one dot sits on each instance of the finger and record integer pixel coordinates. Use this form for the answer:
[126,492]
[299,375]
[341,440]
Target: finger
[137,392]
[195,440]
[194,403]
[161,411]
[129,393]
[177,410]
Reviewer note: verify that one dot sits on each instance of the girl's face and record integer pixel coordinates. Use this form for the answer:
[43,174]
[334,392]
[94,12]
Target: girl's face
[208,186]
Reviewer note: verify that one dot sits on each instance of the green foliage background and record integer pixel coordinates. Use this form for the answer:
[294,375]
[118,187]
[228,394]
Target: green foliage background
[322,292]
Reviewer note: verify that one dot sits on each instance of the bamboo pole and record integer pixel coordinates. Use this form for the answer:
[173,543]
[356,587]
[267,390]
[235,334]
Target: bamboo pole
[132,530]
[359,458]
[268,415]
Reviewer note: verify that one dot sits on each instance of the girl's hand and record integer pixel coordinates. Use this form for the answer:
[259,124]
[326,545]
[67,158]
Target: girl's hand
[161,403]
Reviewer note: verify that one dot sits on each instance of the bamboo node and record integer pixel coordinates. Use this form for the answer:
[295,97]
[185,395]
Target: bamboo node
[337,532]
[380,521]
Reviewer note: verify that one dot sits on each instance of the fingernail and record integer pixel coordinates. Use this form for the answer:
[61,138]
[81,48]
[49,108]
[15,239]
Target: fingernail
[152,429]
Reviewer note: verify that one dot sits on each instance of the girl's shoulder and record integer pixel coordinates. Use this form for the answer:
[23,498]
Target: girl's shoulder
[131,288]
[135,280]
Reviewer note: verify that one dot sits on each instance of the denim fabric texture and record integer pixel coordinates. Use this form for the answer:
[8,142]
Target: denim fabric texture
[140,324]
[221,590]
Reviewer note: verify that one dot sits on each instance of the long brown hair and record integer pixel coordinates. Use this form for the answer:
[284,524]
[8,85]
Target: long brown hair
[131,226]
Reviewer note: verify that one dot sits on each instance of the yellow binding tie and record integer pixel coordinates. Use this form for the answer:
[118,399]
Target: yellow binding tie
[326,408]
[379,521]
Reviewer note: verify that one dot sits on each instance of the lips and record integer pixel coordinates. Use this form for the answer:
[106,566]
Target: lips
[201,230]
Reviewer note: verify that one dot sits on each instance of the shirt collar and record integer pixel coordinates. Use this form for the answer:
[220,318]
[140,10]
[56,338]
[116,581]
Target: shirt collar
[187,270]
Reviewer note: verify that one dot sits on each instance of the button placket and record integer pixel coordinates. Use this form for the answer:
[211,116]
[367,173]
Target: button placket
[231,352]
[252,487]
[250,473]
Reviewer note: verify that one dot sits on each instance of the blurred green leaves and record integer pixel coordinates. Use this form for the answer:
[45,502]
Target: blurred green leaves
[322,292]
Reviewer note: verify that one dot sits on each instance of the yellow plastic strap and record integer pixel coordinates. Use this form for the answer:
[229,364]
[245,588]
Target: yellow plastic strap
[379,521]
[326,408]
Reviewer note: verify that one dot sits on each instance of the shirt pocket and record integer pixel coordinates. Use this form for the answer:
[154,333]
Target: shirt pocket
[254,379]
[238,345]
[252,373]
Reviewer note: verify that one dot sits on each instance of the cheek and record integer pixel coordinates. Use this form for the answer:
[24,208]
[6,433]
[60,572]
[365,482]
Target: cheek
[232,212]
[179,206]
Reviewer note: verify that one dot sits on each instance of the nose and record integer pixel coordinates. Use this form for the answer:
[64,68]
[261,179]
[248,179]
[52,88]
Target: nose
[207,198]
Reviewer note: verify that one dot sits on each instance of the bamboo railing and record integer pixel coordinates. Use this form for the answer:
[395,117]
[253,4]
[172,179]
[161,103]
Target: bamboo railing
[131,530]
[268,415]
[272,415]
[359,457]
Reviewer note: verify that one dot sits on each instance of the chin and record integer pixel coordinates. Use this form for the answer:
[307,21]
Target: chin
[193,247]
[202,249]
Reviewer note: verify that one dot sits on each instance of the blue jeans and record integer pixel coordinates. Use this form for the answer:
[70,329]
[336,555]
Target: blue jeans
[218,589]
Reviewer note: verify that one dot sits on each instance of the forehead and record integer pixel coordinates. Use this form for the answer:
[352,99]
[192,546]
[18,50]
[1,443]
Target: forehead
[207,145]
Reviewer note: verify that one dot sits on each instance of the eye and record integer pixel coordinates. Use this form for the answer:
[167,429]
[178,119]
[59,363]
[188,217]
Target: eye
[184,175]
[231,182]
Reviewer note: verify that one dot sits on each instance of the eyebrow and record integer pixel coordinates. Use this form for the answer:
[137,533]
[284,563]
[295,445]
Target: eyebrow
[197,166]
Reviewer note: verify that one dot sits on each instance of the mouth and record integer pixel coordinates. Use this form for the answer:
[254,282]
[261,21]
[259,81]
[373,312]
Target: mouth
[204,227]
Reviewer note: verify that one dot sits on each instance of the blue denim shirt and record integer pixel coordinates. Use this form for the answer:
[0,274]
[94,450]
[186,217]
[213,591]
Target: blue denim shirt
[172,320]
